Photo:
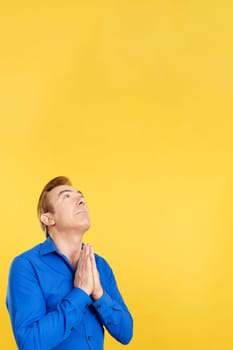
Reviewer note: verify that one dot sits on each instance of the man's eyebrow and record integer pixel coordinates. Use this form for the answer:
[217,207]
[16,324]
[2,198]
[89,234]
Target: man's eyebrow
[63,191]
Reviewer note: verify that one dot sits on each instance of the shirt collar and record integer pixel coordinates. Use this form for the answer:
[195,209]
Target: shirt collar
[48,247]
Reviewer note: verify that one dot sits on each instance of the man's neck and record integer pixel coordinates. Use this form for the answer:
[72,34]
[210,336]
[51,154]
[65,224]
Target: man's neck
[69,244]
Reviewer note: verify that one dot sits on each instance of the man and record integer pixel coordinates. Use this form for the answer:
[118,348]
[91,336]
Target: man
[60,294]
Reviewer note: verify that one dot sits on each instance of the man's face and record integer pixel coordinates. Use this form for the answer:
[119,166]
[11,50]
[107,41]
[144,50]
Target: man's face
[69,209]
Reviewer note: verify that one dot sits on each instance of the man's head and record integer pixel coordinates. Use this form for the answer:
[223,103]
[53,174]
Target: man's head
[62,206]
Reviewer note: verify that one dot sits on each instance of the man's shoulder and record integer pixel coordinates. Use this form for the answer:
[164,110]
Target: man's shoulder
[101,262]
[29,253]
[25,260]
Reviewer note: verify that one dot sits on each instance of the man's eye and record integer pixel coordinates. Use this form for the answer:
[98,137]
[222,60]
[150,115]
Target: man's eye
[67,195]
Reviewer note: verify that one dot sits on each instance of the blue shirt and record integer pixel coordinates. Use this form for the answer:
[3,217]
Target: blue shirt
[48,313]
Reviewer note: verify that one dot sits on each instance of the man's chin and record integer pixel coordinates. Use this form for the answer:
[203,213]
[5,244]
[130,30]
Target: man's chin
[86,226]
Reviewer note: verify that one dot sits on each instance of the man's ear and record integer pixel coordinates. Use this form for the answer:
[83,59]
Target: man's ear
[47,219]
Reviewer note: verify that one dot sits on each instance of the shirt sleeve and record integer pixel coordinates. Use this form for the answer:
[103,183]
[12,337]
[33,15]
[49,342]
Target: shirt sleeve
[112,309]
[33,327]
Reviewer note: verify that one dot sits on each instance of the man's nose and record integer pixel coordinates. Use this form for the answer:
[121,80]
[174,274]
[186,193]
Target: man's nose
[81,201]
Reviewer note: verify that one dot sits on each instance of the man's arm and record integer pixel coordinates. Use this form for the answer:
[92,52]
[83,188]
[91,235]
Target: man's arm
[111,308]
[33,327]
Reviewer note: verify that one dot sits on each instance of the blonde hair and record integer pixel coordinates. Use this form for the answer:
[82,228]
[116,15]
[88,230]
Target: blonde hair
[43,204]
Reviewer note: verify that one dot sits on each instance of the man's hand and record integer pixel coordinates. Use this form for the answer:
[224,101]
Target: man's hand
[87,275]
[84,276]
[97,291]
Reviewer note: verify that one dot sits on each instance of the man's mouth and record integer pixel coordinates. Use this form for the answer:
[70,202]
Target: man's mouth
[80,212]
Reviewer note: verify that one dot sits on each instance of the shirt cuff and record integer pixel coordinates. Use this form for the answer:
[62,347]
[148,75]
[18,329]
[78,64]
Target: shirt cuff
[104,301]
[108,310]
[78,299]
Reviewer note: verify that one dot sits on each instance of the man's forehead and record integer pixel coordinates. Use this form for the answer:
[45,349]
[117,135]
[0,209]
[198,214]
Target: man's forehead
[60,189]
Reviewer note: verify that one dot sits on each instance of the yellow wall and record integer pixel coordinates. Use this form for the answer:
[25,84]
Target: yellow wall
[133,101]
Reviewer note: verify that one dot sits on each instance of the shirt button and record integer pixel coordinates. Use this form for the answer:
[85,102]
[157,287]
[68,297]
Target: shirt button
[98,306]
[72,328]
[109,323]
[89,337]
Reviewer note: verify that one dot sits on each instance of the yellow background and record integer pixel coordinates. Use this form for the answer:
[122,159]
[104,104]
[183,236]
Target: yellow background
[133,101]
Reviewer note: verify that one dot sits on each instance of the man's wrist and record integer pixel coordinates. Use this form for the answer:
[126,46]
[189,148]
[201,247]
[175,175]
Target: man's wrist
[97,294]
